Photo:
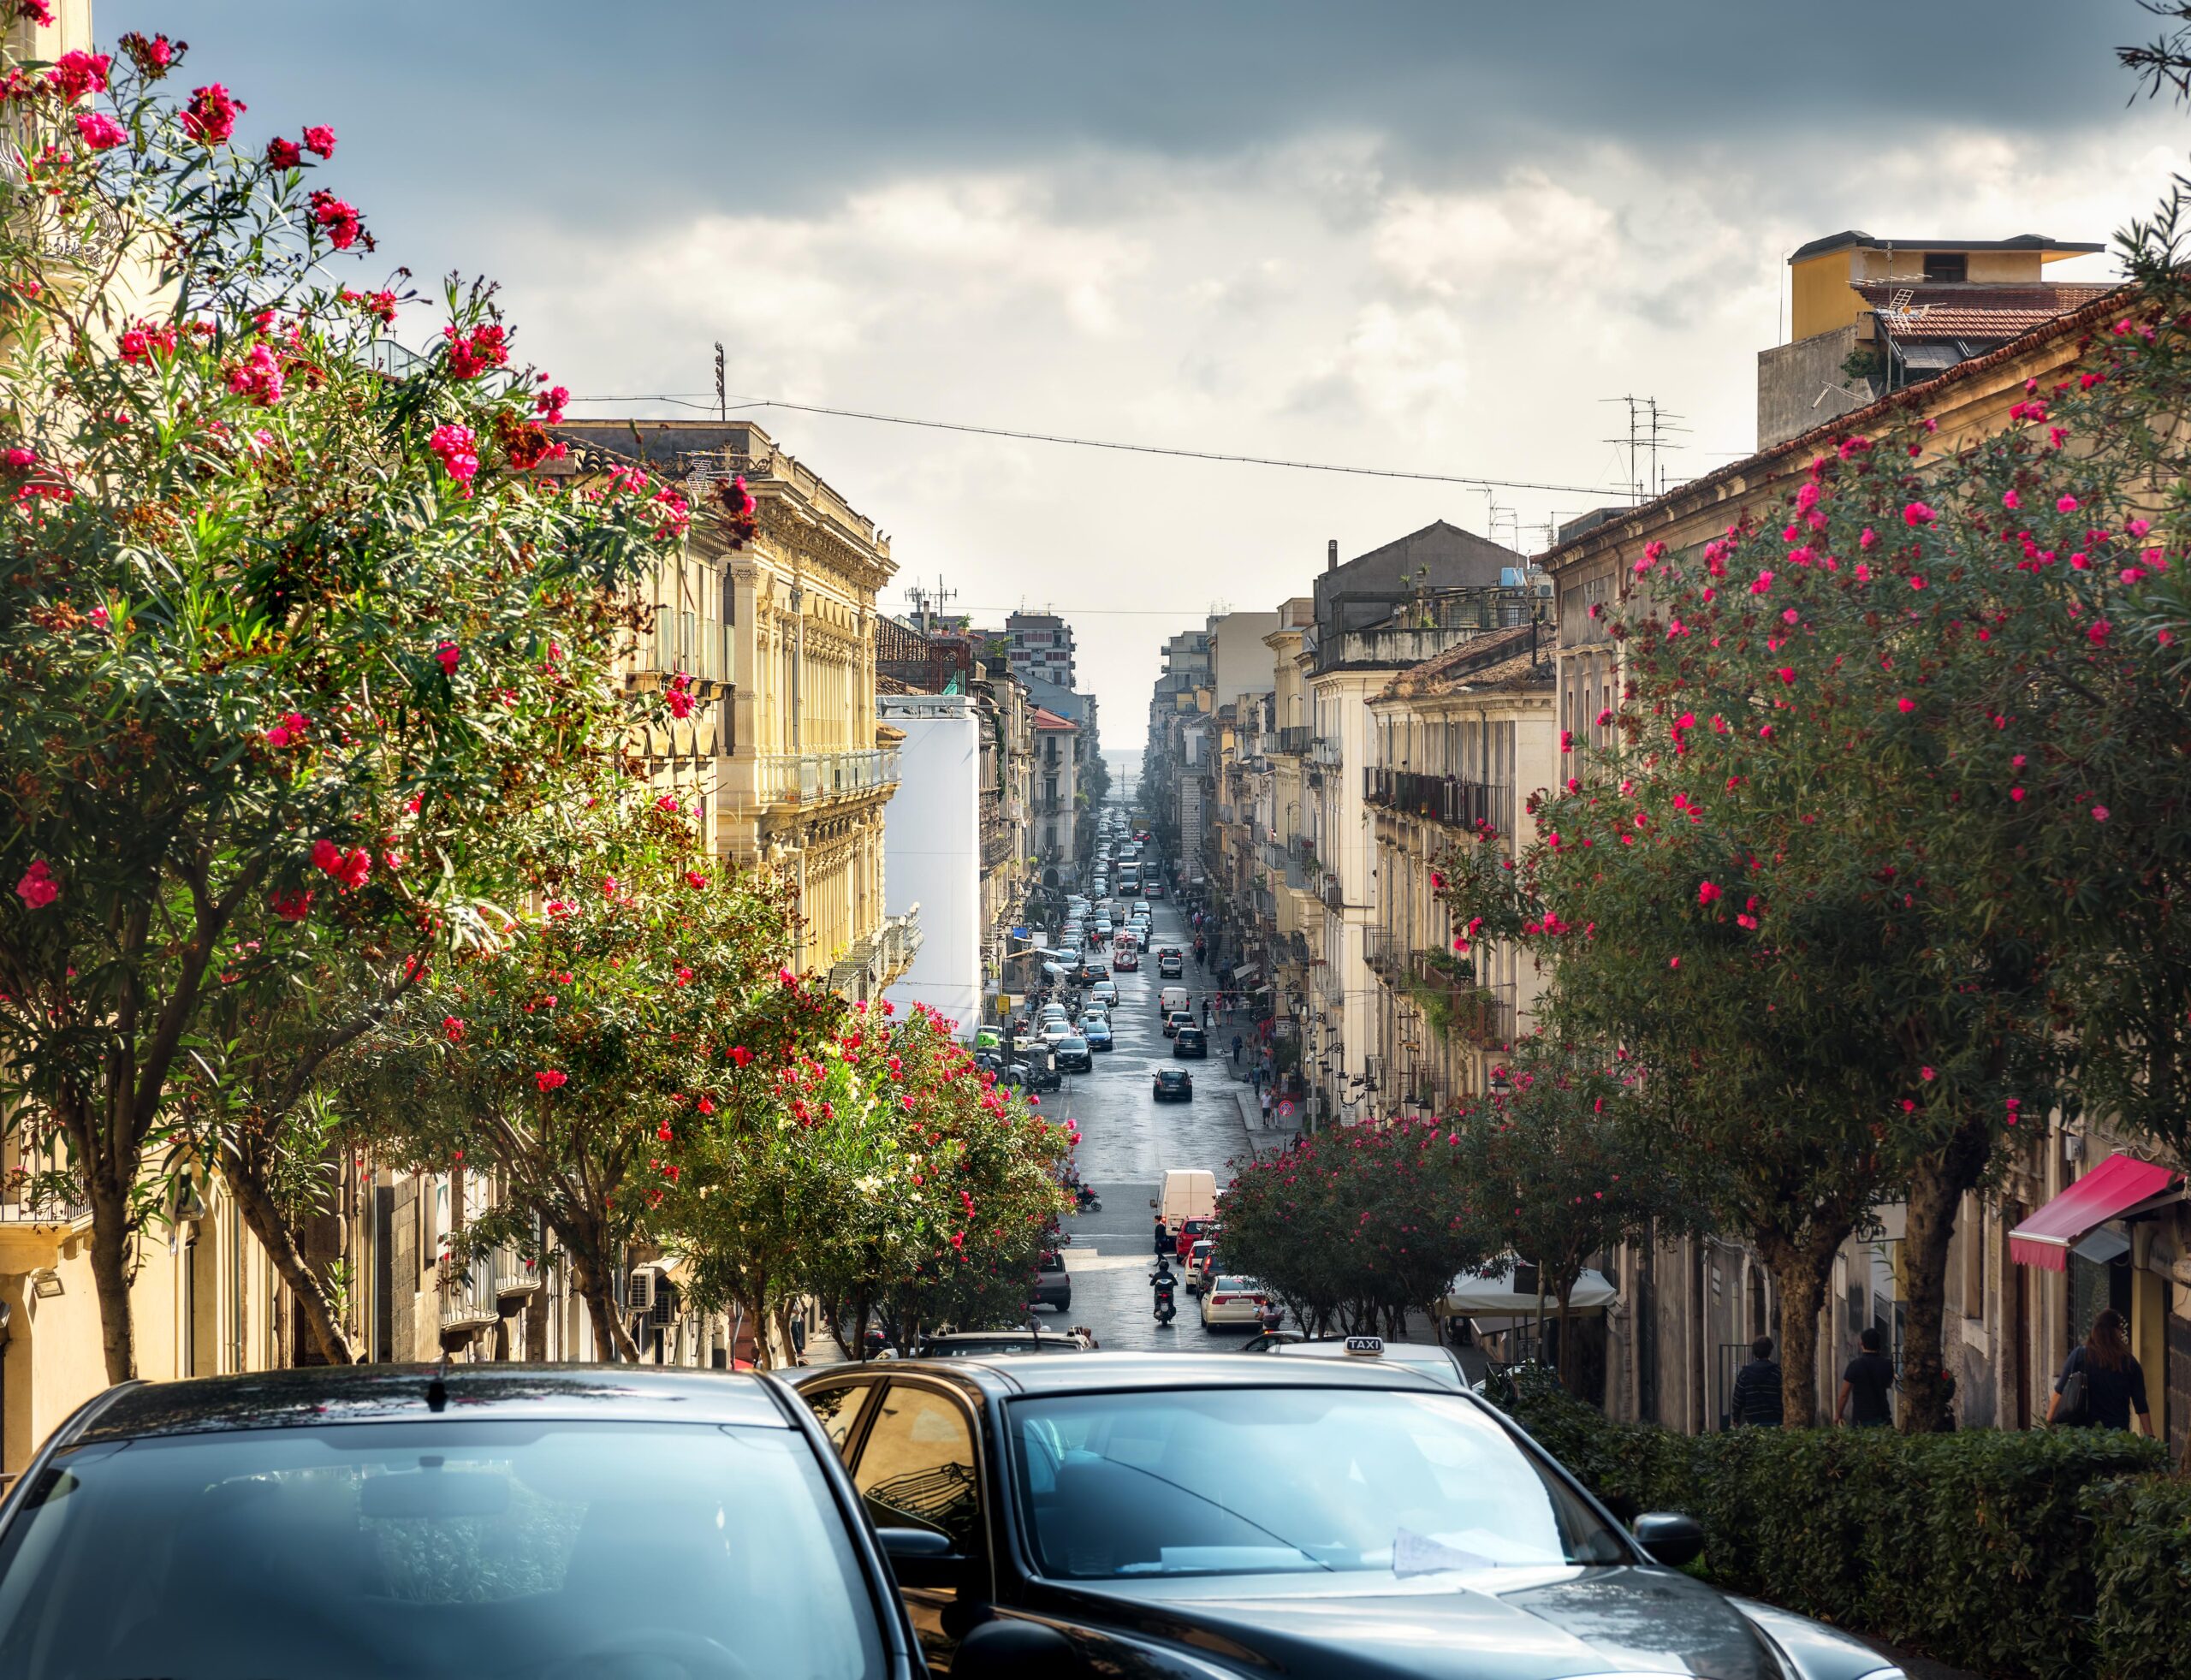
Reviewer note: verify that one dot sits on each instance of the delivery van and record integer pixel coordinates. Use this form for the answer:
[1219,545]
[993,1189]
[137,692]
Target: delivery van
[1171,999]
[1189,1194]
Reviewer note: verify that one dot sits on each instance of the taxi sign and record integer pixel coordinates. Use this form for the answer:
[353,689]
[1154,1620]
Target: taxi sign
[1370,1346]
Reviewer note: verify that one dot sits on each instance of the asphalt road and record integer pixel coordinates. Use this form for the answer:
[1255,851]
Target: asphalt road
[1129,1141]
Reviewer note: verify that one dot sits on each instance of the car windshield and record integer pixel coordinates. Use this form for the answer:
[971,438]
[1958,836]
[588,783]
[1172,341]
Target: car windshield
[1181,1481]
[429,1550]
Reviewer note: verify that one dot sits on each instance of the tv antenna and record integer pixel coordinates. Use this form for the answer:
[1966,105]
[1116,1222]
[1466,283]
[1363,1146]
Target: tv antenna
[1651,429]
[722,395]
[926,600]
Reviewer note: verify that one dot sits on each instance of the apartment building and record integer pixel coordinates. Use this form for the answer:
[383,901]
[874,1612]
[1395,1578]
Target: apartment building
[1040,644]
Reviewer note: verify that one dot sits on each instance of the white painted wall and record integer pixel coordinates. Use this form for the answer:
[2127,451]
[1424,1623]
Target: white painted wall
[932,851]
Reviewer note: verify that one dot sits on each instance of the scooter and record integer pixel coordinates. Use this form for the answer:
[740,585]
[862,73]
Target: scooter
[1090,1202]
[1164,1283]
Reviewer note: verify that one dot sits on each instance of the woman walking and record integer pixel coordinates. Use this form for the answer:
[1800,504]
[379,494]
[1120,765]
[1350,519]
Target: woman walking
[2101,1383]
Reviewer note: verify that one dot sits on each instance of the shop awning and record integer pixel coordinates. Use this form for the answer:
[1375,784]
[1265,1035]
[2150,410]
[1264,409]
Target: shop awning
[2120,1185]
[1243,974]
[1490,1292]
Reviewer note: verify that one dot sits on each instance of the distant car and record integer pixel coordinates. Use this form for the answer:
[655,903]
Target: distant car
[999,1344]
[1103,929]
[1106,990]
[1053,1283]
[1176,1019]
[1055,1033]
[1171,965]
[1152,888]
[485,1510]
[1189,1041]
[1074,1053]
[1097,1033]
[1096,965]
[1201,1264]
[1173,1084]
[1069,957]
[1231,1301]
[1125,960]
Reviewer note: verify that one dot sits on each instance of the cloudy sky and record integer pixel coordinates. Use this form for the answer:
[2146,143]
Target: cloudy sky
[1429,235]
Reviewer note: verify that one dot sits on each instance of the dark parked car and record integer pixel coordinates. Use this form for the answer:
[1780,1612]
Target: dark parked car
[1183,1515]
[1173,1084]
[1189,1041]
[1053,1283]
[389,1520]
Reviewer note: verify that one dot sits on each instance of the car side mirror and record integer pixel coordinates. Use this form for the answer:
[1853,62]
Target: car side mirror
[1670,1538]
[1003,1650]
[921,1557]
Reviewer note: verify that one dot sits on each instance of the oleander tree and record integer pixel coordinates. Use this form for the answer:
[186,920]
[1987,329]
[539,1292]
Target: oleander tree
[1566,1162]
[280,633]
[638,994]
[883,1174]
[1889,851]
[1359,1224]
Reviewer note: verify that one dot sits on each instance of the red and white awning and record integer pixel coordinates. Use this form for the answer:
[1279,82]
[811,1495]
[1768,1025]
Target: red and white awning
[2120,1185]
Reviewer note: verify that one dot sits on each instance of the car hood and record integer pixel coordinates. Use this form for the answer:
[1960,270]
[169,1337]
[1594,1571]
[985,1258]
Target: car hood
[1507,1624]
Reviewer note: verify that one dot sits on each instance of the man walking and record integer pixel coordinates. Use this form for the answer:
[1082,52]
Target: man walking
[1238,1043]
[1866,1385]
[1755,1402]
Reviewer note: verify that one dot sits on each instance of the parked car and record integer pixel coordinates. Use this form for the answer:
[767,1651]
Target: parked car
[1097,1031]
[1232,1302]
[1190,1040]
[1151,1514]
[1172,1085]
[1106,991]
[1053,1283]
[1074,1053]
[436,1523]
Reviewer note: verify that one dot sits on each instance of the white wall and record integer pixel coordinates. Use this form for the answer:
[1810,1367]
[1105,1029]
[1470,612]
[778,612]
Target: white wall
[932,851]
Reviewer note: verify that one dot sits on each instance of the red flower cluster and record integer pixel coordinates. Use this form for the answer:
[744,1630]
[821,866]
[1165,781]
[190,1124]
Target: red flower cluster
[37,888]
[74,74]
[679,696]
[459,451]
[141,342]
[348,869]
[337,220]
[258,376]
[549,1078]
[154,58]
[477,352]
[292,906]
[210,115]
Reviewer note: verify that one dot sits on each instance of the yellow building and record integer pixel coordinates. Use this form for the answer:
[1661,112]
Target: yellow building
[791,766]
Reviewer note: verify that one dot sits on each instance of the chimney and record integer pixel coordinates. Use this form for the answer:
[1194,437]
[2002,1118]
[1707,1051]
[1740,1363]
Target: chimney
[1331,556]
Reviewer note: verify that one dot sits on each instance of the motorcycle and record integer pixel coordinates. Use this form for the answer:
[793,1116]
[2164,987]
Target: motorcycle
[1164,1282]
[1089,1201]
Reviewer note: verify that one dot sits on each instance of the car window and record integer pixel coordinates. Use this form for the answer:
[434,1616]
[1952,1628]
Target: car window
[431,1550]
[837,1408]
[916,1466]
[1178,1482]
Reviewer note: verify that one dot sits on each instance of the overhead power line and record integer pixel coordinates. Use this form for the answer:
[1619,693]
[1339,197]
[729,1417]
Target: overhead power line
[1110,444]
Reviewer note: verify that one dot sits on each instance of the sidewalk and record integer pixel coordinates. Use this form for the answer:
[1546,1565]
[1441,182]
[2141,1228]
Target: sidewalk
[1262,1140]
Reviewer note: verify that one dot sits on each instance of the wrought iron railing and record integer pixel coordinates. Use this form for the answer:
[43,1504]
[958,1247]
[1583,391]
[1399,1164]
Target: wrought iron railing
[468,1297]
[1294,738]
[1452,800]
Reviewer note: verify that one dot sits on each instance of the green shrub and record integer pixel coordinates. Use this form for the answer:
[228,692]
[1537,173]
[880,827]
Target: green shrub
[2043,1553]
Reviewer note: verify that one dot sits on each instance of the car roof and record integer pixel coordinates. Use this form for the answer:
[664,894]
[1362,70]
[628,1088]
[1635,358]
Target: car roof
[1124,1372]
[322,1395]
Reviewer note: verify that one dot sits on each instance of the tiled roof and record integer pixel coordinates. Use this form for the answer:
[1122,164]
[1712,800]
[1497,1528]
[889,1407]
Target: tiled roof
[1501,658]
[1050,720]
[1976,311]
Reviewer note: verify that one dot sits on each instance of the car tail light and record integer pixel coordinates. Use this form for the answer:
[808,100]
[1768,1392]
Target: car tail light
[1221,1300]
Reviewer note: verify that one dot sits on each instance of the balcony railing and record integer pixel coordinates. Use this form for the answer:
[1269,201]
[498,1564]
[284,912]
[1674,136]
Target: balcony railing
[468,1297]
[1293,739]
[514,1273]
[1457,1002]
[818,778]
[1450,800]
[1386,954]
[1335,893]
[1327,750]
[873,962]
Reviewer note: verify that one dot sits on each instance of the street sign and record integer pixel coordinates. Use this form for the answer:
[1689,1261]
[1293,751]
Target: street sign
[1285,1109]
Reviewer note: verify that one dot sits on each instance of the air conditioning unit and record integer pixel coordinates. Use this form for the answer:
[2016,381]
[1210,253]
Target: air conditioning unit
[646,1285]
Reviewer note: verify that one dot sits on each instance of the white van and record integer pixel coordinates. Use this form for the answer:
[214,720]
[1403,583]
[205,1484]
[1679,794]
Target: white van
[1188,1194]
[1172,997]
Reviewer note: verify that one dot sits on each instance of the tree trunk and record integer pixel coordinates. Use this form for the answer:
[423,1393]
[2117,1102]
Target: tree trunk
[1936,1191]
[1799,1273]
[536,1319]
[859,1329]
[110,1234]
[1566,1366]
[265,1222]
[610,1331]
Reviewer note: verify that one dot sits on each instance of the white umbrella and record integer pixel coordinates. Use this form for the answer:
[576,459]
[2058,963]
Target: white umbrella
[1491,1293]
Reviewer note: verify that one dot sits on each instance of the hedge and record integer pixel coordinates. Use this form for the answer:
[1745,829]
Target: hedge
[2051,1552]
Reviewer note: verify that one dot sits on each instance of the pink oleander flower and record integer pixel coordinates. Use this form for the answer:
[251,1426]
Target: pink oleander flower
[2099,813]
[339,221]
[1905,705]
[453,1029]
[283,154]
[210,115]
[99,131]
[2012,500]
[550,403]
[2067,504]
[447,655]
[550,1078]
[1706,891]
[37,888]
[258,376]
[37,11]
[292,906]
[1917,513]
[289,731]
[19,459]
[477,352]
[319,140]
[76,74]
[458,452]
[349,869]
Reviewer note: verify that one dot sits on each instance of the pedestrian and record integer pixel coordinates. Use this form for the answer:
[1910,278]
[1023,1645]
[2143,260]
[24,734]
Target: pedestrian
[1866,1385]
[1755,1402]
[1163,1239]
[2102,1386]
[1205,1014]
[1238,1044]
[1267,1108]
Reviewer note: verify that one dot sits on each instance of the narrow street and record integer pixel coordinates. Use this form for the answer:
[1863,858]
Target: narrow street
[1129,1141]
